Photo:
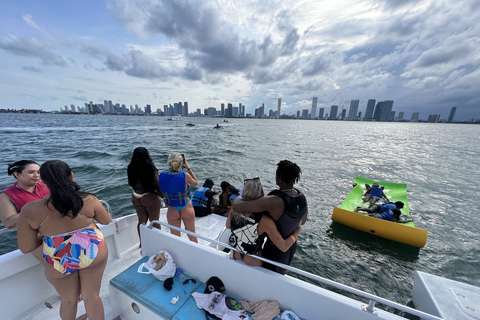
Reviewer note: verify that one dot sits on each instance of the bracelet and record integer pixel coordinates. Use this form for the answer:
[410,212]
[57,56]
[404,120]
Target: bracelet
[293,237]
[189,169]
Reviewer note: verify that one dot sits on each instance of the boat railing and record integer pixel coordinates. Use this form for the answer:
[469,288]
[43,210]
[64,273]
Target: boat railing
[373,299]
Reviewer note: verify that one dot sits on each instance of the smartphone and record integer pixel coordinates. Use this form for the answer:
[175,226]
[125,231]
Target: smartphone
[183,156]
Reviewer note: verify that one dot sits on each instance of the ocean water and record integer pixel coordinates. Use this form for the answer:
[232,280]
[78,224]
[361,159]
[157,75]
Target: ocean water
[440,163]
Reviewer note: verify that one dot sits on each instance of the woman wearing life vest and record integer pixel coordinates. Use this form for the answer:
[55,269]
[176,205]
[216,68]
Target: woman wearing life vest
[175,185]
[27,188]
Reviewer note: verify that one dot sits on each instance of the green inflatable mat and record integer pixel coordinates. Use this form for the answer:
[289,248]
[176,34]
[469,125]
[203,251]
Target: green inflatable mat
[394,192]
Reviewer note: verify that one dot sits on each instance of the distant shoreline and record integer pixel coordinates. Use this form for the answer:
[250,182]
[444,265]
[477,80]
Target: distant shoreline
[284,117]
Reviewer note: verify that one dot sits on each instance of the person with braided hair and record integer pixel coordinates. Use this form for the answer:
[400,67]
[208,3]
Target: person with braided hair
[288,208]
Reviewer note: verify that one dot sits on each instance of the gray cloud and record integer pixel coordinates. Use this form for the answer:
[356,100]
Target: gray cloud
[31,68]
[209,42]
[31,48]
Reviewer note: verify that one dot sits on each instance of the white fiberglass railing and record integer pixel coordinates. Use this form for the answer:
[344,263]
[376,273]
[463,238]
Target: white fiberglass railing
[373,299]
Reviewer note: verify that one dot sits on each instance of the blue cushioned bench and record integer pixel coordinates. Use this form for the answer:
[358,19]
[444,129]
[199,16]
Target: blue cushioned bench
[149,291]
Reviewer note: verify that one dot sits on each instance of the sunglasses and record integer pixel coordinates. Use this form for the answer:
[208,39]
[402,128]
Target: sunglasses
[254,179]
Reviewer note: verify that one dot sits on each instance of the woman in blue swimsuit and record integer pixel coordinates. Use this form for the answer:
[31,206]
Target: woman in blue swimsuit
[175,185]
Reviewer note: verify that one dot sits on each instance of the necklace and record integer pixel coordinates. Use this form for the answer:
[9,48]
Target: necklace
[286,190]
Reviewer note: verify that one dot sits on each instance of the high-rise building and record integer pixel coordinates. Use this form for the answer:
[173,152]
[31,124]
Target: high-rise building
[370,108]
[298,114]
[352,113]
[401,114]
[185,109]
[415,116]
[222,109]
[378,110]
[148,109]
[386,111]
[451,114]
[305,114]
[313,114]
[433,118]
[333,112]
[320,113]
[229,111]
[279,106]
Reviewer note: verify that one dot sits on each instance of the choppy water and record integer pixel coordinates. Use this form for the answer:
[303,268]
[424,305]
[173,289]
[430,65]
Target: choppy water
[438,162]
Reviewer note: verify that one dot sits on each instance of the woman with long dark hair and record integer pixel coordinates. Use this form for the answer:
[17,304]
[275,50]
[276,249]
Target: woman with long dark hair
[143,178]
[73,245]
[28,187]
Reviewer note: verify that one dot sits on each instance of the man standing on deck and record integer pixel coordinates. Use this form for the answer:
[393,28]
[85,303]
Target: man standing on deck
[286,206]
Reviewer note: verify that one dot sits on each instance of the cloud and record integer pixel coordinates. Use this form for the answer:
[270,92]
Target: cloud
[208,42]
[31,68]
[31,48]
[79,98]
[29,20]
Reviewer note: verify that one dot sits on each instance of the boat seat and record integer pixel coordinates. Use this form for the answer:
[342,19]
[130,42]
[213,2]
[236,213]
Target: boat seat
[149,291]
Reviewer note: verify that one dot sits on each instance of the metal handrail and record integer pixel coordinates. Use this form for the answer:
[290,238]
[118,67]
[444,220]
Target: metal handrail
[372,298]
[112,216]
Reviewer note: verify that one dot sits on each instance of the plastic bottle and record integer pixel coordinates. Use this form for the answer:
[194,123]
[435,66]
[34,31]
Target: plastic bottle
[180,275]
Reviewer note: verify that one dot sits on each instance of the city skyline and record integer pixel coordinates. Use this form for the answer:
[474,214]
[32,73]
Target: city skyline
[424,55]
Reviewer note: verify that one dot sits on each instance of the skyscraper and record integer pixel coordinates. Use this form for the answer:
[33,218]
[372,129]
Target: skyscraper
[185,108]
[313,114]
[452,114]
[386,111]
[320,114]
[333,112]
[378,110]
[415,116]
[370,108]
[222,109]
[279,107]
[352,113]
[344,114]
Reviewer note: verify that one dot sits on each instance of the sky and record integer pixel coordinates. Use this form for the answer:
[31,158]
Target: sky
[423,54]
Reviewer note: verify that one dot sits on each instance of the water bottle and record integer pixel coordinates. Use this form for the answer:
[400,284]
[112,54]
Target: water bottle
[180,275]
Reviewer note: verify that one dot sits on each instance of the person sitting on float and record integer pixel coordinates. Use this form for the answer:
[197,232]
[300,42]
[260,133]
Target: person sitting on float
[374,193]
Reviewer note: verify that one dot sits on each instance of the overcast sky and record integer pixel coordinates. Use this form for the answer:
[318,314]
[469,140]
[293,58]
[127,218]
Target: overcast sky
[424,55]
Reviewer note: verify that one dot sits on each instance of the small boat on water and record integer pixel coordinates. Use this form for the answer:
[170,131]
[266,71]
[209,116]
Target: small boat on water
[174,119]
[127,293]
[190,124]
[218,127]
[402,231]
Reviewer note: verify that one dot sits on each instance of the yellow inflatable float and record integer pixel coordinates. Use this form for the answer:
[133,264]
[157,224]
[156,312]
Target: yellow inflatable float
[405,232]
